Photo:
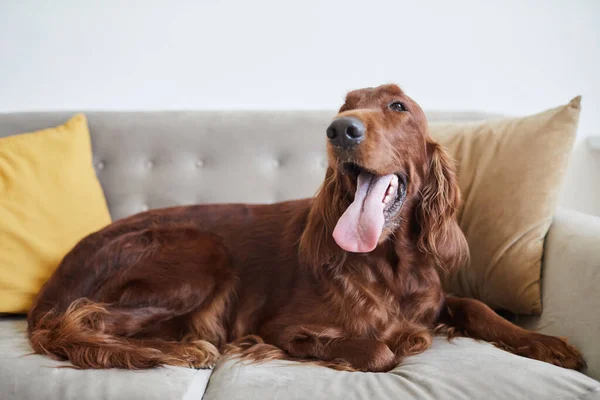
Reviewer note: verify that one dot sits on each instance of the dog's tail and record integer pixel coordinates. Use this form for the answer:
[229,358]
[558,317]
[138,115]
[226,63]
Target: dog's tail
[94,335]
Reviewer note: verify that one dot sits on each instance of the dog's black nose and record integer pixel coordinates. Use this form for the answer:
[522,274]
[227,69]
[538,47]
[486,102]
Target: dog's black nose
[346,132]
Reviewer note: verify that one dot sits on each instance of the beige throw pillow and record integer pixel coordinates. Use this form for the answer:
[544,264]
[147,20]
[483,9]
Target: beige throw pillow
[510,171]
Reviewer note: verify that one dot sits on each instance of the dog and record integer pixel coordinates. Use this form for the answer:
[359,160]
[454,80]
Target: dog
[350,279]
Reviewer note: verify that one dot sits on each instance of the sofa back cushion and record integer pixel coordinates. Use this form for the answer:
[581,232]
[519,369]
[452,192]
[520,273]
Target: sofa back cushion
[510,171]
[158,159]
[50,199]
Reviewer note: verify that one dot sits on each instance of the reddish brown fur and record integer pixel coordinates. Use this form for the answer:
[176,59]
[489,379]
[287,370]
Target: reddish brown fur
[181,285]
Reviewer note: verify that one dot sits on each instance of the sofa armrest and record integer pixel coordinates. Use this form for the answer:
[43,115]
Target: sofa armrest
[571,285]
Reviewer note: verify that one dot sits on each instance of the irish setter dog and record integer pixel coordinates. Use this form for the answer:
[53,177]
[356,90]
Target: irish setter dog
[350,279]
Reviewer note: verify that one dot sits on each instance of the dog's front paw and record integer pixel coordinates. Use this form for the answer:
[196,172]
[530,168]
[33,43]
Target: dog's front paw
[553,350]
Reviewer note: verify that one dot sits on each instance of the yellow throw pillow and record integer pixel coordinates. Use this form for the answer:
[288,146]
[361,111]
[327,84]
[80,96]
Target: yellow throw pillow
[50,199]
[509,172]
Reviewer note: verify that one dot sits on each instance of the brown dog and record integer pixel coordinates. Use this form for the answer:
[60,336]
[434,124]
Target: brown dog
[349,279]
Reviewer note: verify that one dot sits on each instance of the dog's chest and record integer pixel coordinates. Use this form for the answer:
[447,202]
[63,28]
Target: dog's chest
[366,303]
[377,302]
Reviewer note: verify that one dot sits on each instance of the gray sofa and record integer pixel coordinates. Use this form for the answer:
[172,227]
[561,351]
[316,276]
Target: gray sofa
[157,159]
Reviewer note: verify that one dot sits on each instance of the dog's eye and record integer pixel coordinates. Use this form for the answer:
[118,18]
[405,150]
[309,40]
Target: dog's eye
[397,106]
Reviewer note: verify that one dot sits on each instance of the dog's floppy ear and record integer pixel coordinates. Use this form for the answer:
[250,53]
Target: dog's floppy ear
[440,236]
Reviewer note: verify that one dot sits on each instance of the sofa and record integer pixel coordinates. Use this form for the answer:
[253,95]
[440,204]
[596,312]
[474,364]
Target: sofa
[149,160]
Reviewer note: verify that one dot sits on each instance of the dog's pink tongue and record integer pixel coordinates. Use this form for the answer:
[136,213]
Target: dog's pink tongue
[359,228]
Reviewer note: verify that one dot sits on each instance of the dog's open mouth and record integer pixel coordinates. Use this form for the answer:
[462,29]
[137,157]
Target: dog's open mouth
[376,201]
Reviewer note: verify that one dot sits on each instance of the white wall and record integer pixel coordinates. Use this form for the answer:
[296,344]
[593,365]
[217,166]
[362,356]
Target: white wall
[514,57]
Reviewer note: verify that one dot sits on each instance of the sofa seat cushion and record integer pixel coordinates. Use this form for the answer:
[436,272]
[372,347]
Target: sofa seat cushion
[461,369]
[30,376]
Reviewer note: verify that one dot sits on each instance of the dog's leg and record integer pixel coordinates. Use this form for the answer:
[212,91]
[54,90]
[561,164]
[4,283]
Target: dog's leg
[330,345]
[409,340]
[472,318]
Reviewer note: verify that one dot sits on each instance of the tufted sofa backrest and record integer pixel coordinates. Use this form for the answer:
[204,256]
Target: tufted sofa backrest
[164,158]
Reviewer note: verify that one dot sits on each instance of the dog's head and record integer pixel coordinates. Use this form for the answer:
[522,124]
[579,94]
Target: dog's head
[391,172]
